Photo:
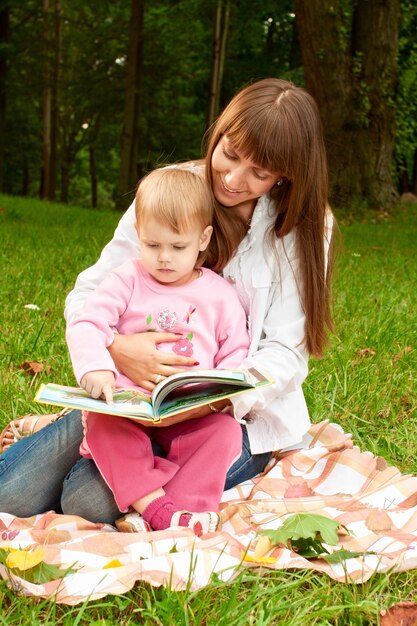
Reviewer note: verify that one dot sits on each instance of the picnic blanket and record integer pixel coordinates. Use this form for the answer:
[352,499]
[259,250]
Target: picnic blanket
[329,476]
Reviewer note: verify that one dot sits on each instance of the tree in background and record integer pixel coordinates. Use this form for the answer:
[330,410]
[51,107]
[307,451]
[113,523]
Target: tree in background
[22,141]
[174,84]
[51,60]
[219,39]
[406,105]
[170,78]
[349,52]
[4,41]
[129,172]
[94,42]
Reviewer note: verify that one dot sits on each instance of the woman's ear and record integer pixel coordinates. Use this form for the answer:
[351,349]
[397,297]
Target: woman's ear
[205,238]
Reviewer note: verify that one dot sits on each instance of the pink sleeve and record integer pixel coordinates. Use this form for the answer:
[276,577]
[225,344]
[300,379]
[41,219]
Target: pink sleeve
[92,331]
[233,337]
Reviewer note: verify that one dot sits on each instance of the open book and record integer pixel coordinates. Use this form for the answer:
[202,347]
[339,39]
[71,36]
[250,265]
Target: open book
[175,394]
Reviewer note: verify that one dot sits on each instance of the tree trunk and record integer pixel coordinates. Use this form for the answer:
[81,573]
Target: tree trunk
[375,41]
[350,69]
[65,175]
[129,166]
[413,186]
[93,176]
[4,37]
[25,178]
[402,175]
[220,31]
[51,190]
[46,106]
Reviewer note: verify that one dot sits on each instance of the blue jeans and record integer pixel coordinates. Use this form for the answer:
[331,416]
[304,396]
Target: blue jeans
[45,472]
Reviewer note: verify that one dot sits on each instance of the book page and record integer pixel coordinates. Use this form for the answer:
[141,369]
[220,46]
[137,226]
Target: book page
[192,395]
[127,402]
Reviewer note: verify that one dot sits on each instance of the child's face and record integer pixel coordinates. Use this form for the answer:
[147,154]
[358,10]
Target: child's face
[169,257]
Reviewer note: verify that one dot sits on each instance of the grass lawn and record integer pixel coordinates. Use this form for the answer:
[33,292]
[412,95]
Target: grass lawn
[366,382]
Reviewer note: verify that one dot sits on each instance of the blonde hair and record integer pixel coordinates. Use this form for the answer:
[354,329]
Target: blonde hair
[175,196]
[277,125]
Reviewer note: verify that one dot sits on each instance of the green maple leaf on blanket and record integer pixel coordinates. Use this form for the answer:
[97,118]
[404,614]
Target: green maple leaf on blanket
[44,573]
[305,533]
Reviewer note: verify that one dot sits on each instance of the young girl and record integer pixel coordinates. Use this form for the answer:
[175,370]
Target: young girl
[166,289]
[272,229]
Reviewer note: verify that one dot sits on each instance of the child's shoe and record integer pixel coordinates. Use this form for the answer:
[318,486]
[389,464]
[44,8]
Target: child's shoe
[133,523]
[200,523]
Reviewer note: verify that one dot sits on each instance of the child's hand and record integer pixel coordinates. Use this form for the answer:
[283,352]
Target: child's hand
[99,384]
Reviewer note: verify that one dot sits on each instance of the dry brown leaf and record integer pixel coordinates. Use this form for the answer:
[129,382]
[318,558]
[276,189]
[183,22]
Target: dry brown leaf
[365,352]
[31,367]
[406,401]
[401,614]
[384,413]
[401,353]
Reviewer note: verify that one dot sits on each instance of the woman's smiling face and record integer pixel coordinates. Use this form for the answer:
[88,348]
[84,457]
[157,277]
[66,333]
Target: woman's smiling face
[238,180]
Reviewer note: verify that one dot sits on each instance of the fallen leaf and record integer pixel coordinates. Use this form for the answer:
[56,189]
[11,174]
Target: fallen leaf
[305,533]
[24,559]
[258,559]
[263,546]
[406,401]
[365,352]
[385,412]
[401,614]
[113,563]
[31,367]
[340,556]
[401,353]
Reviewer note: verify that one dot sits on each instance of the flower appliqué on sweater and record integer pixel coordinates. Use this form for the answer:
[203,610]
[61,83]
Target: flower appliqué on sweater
[167,320]
[184,346]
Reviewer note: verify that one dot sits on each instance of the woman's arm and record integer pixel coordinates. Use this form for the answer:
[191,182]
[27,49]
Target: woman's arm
[277,329]
[123,246]
[138,358]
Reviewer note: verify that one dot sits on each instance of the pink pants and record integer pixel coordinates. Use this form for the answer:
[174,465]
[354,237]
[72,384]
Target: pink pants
[197,456]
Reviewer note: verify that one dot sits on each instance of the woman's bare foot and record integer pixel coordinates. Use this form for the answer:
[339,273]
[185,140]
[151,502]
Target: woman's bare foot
[26,426]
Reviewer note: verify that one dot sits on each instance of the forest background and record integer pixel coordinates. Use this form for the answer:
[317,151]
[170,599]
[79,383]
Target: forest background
[95,93]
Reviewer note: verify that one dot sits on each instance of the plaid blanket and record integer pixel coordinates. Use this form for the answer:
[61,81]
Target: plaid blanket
[329,476]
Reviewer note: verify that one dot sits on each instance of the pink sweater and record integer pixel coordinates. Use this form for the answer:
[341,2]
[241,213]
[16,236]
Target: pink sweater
[207,312]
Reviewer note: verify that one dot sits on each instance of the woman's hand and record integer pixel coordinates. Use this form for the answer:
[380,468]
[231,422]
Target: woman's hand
[138,358]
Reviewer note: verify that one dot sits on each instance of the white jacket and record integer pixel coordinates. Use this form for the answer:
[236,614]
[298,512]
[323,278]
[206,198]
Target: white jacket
[277,416]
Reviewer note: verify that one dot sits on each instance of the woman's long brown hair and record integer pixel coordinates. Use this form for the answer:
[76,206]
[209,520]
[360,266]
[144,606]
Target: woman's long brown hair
[277,125]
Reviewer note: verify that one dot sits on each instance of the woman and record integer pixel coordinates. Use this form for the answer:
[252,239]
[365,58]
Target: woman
[267,166]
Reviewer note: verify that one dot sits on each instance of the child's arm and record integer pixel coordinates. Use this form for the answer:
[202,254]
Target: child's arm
[99,384]
[89,335]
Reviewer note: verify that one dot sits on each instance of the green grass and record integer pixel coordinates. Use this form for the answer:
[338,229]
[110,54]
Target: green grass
[366,382]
